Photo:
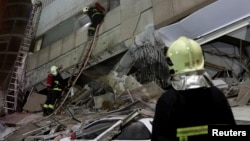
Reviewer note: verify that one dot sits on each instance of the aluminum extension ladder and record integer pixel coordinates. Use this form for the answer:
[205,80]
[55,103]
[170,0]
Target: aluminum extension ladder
[16,80]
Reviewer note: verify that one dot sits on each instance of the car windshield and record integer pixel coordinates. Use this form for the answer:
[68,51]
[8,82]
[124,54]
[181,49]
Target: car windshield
[135,130]
[94,129]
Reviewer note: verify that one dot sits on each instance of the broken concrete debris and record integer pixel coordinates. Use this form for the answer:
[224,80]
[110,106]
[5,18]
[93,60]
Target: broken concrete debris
[83,106]
[87,104]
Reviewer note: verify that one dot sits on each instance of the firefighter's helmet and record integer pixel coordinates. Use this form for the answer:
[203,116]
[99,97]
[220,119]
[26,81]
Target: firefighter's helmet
[53,70]
[85,9]
[184,55]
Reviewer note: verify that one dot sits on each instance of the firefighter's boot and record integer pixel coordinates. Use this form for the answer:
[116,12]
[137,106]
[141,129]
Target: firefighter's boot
[45,111]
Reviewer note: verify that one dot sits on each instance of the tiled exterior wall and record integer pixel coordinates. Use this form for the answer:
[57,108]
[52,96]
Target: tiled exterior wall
[121,24]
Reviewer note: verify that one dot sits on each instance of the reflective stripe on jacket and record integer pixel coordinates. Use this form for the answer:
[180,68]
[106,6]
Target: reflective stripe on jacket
[184,133]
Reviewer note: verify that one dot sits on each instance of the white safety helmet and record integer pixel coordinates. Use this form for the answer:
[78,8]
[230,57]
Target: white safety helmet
[184,55]
[53,70]
[85,9]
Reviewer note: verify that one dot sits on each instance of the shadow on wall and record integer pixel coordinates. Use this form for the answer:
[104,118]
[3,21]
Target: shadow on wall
[1,103]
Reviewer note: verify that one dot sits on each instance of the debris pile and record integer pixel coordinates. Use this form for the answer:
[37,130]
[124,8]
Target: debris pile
[81,108]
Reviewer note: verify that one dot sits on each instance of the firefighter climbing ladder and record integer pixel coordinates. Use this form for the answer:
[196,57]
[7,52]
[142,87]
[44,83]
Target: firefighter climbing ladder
[18,72]
[86,55]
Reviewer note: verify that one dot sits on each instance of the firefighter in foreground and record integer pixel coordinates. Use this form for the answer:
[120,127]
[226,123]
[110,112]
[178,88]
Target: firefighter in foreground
[191,103]
[55,85]
[96,15]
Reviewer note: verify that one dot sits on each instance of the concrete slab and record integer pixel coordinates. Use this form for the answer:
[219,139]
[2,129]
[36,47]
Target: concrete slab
[5,131]
[241,113]
[34,102]
[17,119]
[243,96]
[149,92]
[18,135]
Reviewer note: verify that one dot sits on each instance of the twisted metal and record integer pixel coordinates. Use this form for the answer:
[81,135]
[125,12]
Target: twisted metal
[151,64]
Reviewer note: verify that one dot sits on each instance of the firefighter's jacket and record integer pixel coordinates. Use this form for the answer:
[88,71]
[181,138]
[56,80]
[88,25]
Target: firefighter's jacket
[176,110]
[92,12]
[58,83]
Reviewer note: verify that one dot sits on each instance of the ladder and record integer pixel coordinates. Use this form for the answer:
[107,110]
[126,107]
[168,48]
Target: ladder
[86,54]
[16,81]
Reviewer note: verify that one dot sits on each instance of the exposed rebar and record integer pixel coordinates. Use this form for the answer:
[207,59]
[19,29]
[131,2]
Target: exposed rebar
[151,64]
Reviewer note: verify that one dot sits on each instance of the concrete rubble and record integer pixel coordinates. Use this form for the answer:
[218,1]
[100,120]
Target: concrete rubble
[111,94]
[31,125]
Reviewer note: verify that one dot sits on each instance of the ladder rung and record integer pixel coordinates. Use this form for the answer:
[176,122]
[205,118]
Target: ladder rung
[13,89]
[9,108]
[28,25]
[24,47]
[13,80]
[14,83]
[19,56]
[14,86]
[13,77]
[28,34]
[27,40]
[17,64]
[10,102]
[20,62]
[26,43]
[15,71]
[23,52]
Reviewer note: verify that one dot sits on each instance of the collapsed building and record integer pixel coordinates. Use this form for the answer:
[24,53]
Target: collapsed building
[124,67]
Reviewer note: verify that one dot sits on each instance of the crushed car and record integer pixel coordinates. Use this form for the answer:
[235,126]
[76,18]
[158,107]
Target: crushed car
[134,130]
